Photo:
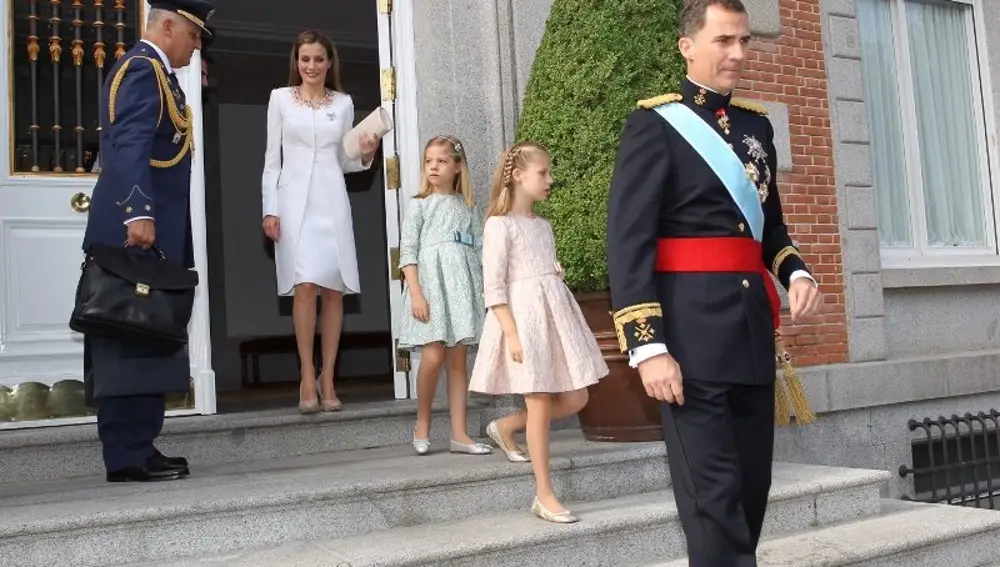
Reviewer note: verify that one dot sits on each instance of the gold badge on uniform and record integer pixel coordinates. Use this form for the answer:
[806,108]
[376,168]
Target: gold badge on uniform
[699,98]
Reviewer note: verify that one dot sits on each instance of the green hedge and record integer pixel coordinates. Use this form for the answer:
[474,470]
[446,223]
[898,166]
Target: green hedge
[596,59]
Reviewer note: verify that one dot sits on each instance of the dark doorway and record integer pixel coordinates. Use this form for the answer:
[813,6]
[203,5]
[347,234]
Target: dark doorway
[250,56]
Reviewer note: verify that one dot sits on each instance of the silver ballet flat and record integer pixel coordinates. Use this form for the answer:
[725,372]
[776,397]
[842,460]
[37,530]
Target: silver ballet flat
[421,446]
[565,517]
[470,448]
[514,454]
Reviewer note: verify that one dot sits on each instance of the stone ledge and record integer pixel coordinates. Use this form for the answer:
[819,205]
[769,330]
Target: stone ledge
[777,112]
[903,278]
[765,17]
[840,387]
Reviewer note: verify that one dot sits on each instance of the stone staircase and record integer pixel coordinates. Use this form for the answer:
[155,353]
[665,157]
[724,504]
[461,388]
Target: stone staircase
[282,490]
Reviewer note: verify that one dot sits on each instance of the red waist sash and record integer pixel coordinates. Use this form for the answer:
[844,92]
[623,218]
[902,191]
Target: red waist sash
[721,254]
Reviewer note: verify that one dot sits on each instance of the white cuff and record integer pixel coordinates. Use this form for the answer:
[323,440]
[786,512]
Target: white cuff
[642,353]
[138,218]
[801,274]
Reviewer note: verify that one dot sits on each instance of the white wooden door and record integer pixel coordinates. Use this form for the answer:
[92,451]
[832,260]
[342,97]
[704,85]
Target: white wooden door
[390,152]
[44,202]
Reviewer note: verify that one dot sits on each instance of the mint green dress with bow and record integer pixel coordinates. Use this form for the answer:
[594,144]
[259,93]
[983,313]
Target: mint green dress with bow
[442,236]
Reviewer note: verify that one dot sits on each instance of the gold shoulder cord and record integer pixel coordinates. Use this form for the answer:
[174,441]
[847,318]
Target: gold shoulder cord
[750,105]
[650,103]
[181,123]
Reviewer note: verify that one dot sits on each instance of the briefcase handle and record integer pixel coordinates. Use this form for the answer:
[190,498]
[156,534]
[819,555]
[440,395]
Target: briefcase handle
[153,248]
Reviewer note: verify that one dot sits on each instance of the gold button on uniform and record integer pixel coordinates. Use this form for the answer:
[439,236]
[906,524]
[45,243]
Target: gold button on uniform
[742,227]
[746,283]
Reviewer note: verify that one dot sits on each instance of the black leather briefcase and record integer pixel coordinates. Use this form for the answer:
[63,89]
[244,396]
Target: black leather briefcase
[134,296]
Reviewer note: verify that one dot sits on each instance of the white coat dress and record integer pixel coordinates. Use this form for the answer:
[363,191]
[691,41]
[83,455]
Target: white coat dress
[303,185]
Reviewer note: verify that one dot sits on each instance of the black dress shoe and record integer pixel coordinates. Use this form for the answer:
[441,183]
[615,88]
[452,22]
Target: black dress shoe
[172,461]
[151,470]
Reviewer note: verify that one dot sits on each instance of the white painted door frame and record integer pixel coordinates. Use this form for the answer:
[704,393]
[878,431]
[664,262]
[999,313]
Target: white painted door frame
[396,51]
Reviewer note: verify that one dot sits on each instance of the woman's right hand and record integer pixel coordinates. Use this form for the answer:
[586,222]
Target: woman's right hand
[514,347]
[272,227]
[421,311]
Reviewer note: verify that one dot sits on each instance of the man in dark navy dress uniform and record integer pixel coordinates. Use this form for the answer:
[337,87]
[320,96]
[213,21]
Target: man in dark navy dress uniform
[695,224]
[142,199]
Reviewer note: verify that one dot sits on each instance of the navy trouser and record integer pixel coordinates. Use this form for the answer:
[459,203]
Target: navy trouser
[127,426]
[720,445]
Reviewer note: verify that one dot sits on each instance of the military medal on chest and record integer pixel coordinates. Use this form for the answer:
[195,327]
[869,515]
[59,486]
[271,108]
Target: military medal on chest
[723,120]
[757,154]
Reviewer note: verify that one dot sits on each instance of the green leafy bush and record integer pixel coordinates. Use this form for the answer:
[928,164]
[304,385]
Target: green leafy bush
[596,59]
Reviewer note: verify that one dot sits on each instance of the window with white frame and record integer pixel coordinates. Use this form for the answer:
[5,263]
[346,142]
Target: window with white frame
[924,64]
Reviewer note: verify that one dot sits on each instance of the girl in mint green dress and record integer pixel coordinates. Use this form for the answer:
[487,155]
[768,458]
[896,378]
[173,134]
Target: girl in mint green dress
[440,253]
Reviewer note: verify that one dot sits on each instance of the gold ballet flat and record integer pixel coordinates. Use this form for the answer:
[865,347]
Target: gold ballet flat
[542,512]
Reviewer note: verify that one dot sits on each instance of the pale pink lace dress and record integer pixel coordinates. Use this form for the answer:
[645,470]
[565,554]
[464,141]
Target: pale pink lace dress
[521,270]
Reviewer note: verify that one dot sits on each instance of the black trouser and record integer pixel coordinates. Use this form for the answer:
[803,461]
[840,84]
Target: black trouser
[127,426]
[720,444]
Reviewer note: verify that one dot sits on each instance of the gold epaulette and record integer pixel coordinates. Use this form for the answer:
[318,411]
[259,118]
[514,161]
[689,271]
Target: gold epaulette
[781,256]
[636,314]
[795,395]
[750,105]
[183,124]
[659,100]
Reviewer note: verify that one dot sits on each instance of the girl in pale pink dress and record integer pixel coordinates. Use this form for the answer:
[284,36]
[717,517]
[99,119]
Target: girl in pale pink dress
[535,341]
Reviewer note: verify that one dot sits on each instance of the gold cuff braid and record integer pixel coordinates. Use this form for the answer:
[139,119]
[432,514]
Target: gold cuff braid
[181,123]
[781,256]
[632,314]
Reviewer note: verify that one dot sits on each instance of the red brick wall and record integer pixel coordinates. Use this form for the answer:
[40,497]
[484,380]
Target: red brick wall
[790,69]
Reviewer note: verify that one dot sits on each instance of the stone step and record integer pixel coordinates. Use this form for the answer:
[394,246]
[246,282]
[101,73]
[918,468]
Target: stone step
[928,535]
[75,451]
[224,508]
[619,530]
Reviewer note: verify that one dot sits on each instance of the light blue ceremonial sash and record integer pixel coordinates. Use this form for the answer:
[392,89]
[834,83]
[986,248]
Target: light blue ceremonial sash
[721,158]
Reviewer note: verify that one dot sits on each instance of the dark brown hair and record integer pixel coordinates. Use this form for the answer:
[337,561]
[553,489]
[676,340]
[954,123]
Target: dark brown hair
[332,74]
[692,17]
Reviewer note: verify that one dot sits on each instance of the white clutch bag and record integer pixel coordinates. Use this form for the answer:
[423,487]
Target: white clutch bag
[377,124]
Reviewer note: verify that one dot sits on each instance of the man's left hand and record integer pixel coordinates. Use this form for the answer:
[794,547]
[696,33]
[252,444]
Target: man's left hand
[804,299]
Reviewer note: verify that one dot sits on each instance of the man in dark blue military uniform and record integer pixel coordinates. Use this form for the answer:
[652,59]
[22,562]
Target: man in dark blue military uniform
[694,226]
[142,199]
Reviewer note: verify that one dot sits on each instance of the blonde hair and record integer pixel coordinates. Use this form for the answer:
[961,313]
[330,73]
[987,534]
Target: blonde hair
[463,181]
[519,156]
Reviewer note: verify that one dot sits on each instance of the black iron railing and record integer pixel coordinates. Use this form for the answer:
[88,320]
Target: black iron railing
[957,461]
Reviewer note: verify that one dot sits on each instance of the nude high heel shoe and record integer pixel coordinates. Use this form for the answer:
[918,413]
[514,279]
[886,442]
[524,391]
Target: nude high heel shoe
[312,406]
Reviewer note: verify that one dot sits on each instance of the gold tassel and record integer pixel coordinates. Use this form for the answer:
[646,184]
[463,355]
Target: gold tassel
[781,409]
[796,392]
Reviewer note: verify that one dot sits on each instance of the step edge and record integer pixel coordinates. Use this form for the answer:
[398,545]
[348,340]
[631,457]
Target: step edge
[874,548]
[656,512]
[34,438]
[279,500]
[791,489]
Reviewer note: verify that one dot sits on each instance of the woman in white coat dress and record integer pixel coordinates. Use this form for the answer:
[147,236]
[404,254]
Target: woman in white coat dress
[306,209]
